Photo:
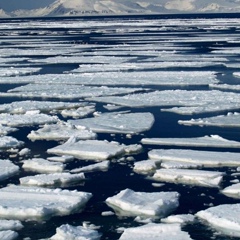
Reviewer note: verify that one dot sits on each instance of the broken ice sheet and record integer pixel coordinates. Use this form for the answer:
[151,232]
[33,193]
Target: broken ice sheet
[117,122]
[61,131]
[191,177]
[224,218]
[232,191]
[8,235]
[204,158]
[229,120]
[93,149]
[180,218]
[7,142]
[205,141]
[10,225]
[152,231]
[7,169]
[24,203]
[225,87]
[17,71]
[101,166]
[53,179]
[131,203]
[79,112]
[5,130]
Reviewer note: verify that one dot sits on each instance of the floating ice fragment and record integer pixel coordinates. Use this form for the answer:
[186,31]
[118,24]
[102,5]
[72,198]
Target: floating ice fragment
[63,158]
[224,218]
[154,231]
[128,202]
[9,72]
[10,225]
[79,112]
[42,165]
[69,232]
[8,235]
[23,203]
[192,177]
[117,122]
[101,166]
[24,152]
[232,191]
[7,142]
[181,219]
[146,166]
[4,130]
[7,169]
[179,165]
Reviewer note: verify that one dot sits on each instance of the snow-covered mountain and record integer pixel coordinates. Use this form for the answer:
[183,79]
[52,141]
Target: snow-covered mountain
[90,7]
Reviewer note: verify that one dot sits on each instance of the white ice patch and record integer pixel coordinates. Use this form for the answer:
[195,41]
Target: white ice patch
[10,72]
[205,141]
[42,166]
[7,142]
[179,165]
[8,235]
[23,203]
[61,131]
[69,232]
[225,87]
[146,166]
[7,169]
[232,191]
[101,166]
[224,218]
[205,158]
[63,158]
[128,202]
[10,225]
[54,179]
[181,219]
[5,130]
[154,231]
[229,120]
[91,149]
[191,177]
[117,123]
[79,112]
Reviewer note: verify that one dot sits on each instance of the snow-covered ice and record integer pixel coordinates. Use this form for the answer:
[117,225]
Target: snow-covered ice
[146,166]
[117,122]
[129,202]
[101,166]
[154,231]
[7,169]
[13,71]
[5,130]
[191,177]
[232,191]
[79,112]
[205,158]
[7,142]
[61,131]
[23,203]
[8,235]
[64,158]
[180,218]
[224,218]
[10,225]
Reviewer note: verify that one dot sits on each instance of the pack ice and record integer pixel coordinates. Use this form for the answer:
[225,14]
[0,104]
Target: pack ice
[7,169]
[7,142]
[128,202]
[232,191]
[23,203]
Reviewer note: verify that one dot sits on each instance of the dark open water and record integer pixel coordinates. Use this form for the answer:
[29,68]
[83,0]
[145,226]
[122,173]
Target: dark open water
[119,177]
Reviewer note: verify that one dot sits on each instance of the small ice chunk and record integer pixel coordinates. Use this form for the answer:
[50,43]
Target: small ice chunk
[69,232]
[178,165]
[101,166]
[187,176]
[60,131]
[63,158]
[79,112]
[7,169]
[232,191]
[224,218]
[128,202]
[7,142]
[54,179]
[42,165]
[154,231]
[107,213]
[5,130]
[181,219]
[146,166]
[10,225]
[8,235]
[23,203]
[24,152]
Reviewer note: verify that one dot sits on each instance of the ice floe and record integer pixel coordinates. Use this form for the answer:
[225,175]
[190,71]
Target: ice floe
[61,131]
[187,176]
[225,87]
[224,218]
[42,165]
[10,225]
[7,169]
[101,166]
[129,202]
[7,142]
[205,141]
[154,231]
[117,122]
[13,71]
[229,120]
[70,232]
[5,130]
[79,112]
[205,158]
[146,166]
[180,218]
[63,158]
[232,191]
[23,203]
[8,235]
[93,149]
[54,179]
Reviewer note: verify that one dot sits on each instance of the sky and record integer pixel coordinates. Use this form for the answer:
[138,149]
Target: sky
[11,5]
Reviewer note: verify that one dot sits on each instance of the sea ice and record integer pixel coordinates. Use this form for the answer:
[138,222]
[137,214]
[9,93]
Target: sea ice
[187,176]
[69,232]
[8,235]
[7,169]
[23,203]
[42,165]
[224,218]
[90,149]
[232,191]
[154,231]
[146,166]
[179,165]
[63,158]
[205,141]
[13,71]
[5,130]
[129,202]
[54,179]
[117,122]
[101,166]
[205,158]
[79,112]
[229,120]
[180,218]
[10,225]
[61,131]
[225,87]
[7,142]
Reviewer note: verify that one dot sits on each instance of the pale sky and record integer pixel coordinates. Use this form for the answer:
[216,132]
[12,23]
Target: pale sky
[10,5]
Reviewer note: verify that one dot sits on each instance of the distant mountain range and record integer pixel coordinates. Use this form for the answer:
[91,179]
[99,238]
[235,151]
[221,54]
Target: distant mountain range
[120,7]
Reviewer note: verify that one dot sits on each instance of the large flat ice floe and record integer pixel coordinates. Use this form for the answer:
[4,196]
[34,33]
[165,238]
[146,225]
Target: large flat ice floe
[69,232]
[229,120]
[7,142]
[205,141]
[129,202]
[205,158]
[191,177]
[117,122]
[7,169]
[23,203]
[224,218]
[154,231]
[93,149]
[61,131]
